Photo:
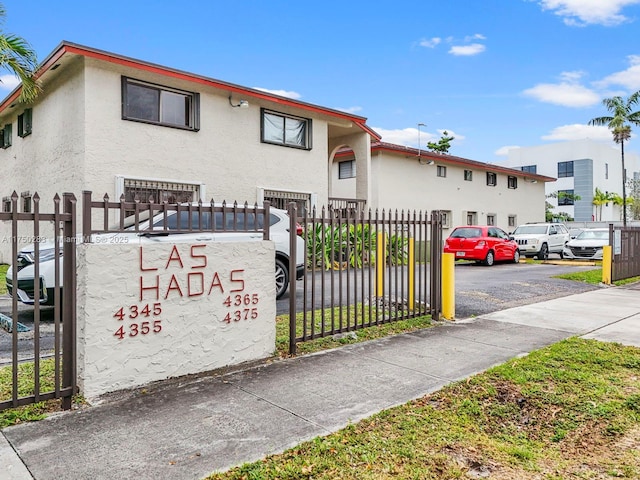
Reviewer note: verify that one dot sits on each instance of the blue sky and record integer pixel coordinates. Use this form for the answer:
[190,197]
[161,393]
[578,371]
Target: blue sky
[493,73]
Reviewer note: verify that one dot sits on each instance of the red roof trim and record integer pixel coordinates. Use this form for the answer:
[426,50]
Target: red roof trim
[66,47]
[448,159]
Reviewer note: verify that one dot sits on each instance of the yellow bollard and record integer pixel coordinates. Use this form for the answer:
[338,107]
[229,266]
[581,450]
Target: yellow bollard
[412,269]
[448,286]
[606,264]
[381,261]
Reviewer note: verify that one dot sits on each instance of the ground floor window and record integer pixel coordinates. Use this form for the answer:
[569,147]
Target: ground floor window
[491,219]
[512,221]
[26,202]
[157,190]
[471,218]
[281,199]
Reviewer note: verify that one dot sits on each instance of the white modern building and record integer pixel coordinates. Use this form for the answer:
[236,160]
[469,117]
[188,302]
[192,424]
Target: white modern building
[580,166]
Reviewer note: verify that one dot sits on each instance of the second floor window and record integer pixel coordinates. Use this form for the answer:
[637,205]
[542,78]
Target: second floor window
[468,175]
[565,169]
[286,130]
[347,169]
[566,197]
[512,182]
[492,179]
[442,171]
[149,103]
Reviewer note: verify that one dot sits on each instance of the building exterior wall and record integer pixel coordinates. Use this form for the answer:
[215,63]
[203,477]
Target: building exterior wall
[401,182]
[600,161]
[226,154]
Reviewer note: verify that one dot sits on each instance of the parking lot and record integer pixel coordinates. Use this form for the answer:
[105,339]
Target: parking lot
[479,290]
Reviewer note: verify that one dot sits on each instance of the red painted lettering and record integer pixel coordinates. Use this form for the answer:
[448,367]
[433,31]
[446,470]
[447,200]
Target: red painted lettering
[190,290]
[174,257]
[239,281]
[173,285]
[215,282]
[155,287]
[203,257]
[142,269]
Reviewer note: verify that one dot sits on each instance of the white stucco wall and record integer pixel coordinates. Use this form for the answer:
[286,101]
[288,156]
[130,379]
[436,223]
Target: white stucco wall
[186,287]
[401,182]
[226,153]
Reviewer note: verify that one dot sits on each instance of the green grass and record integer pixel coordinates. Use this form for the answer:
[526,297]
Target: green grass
[3,284]
[594,277]
[571,410]
[353,316]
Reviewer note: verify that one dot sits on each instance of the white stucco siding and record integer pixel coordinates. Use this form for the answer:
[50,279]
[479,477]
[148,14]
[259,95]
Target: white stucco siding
[226,153]
[50,160]
[402,183]
[147,312]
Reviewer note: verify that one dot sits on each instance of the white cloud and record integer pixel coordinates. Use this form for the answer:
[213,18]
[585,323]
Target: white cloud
[589,12]
[350,109]
[567,94]
[629,78]
[504,151]
[476,36]
[579,131]
[467,50]
[409,136]
[430,43]
[282,93]
[406,136]
[9,82]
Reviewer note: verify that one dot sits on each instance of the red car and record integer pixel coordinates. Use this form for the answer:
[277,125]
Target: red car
[483,244]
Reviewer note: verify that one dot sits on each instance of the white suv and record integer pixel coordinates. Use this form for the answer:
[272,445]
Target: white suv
[155,231]
[541,239]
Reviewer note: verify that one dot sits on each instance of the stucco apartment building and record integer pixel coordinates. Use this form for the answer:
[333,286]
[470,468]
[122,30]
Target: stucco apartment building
[468,192]
[121,126]
[580,166]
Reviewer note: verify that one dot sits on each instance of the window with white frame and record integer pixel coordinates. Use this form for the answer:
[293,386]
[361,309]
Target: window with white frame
[442,171]
[281,129]
[446,218]
[471,218]
[347,169]
[160,105]
[282,198]
[468,175]
[491,219]
[158,191]
[492,179]
[512,182]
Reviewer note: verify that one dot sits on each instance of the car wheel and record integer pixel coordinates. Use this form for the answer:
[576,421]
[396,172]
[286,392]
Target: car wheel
[282,278]
[561,255]
[489,260]
[543,254]
[516,256]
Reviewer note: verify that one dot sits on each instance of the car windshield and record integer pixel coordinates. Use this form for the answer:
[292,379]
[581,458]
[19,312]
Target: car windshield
[531,230]
[466,233]
[594,234]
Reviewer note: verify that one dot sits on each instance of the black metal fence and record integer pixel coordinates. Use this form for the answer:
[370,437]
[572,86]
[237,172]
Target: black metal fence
[625,243]
[38,274]
[364,269]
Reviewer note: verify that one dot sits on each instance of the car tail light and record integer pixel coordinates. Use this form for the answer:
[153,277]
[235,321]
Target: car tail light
[481,243]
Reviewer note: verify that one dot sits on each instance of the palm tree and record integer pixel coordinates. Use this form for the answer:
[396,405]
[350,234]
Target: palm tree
[17,56]
[620,124]
[601,198]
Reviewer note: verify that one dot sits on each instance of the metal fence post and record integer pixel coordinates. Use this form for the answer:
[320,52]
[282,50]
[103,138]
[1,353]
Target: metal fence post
[69,299]
[293,215]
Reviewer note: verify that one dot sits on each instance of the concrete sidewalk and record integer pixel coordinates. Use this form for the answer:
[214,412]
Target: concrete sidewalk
[188,428]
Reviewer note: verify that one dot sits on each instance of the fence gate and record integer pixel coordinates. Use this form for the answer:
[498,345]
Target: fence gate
[38,315]
[625,242]
[363,269]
